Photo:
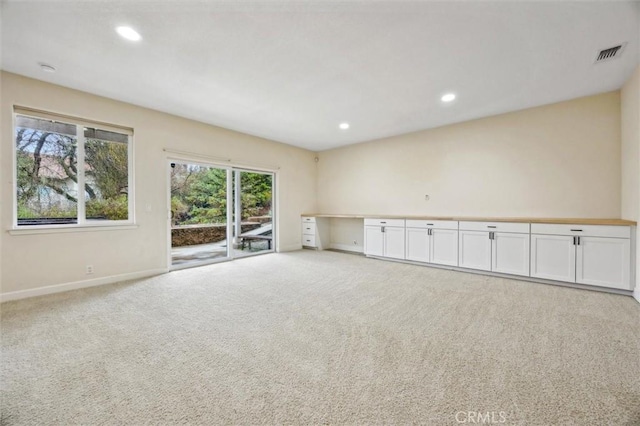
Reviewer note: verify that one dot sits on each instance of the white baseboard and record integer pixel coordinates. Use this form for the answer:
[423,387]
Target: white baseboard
[59,288]
[347,247]
[636,293]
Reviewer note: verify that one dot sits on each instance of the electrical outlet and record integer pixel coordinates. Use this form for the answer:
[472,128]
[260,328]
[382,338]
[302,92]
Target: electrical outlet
[426,197]
[89,269]
[355,242]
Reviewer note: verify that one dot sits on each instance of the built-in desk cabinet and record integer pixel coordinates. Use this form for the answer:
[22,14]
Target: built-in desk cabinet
[584,254]
[432,241]
[495,246]
[315,232]
[594,255]
[384,238]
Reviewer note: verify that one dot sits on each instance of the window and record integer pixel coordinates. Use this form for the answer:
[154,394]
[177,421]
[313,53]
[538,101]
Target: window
[71,172]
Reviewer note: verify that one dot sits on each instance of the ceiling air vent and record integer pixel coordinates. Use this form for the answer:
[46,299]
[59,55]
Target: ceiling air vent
[610,53]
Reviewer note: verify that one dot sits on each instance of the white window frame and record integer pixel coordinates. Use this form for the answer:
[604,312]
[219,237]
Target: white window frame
[82,223]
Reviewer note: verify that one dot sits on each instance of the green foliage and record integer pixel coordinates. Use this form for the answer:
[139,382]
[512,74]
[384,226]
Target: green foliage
[108,165]
[199,194]
[116,208]
[208,197]
[255,194]
[53,211]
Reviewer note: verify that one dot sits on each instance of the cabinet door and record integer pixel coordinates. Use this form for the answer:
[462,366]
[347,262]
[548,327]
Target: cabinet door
[444,247]
[510,253]
[373,241]
[475,250]
[417,244]
[394,242]
[553,257]
[604,262]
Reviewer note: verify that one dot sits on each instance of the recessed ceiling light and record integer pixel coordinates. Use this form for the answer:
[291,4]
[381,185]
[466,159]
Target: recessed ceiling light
[344,126]
[448,97]
[46,67]
[129,33]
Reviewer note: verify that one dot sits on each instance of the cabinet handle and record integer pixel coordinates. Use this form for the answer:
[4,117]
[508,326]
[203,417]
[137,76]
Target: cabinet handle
[578,240]
[382,229]
[491,237]
[574,240]
[491,226]
[429,224]
[429,232]
[576,230]
[383,222]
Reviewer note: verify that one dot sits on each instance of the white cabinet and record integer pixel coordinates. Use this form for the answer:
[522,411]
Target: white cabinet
[418,244]
[384,237]
[603,262]
[553,257]
[589,254]
[394,242]
[432,241]
[315,232]
[495,246]
[475,250]
[510,253]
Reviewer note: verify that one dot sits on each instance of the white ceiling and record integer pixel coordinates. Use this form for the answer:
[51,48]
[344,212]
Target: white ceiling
[291,71]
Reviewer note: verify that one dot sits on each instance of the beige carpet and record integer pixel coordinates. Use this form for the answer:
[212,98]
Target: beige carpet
[321,338]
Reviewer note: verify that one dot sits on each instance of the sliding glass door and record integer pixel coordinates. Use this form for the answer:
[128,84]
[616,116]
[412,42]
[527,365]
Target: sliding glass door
[253,212]
[218,213]
[200,197]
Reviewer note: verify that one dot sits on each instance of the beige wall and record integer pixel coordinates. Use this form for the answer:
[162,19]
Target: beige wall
[630,103]
[30,261]
[560,160]
[630,135]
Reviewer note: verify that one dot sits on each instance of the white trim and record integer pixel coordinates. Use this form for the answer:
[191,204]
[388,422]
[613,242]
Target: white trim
[14,175]
[57,229]
[347,247]
[230,210]
[81,220]
[59,288]
[225,162]
[237,210]
[34,112]
[167,193]
[81,211]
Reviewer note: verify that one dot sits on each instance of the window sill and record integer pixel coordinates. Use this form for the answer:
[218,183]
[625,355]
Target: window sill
[57,229]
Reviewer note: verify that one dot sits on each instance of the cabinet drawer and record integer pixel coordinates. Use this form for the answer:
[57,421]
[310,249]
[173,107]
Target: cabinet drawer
[433,224]
[384,222]
[520,228]
[581,230]
[309,240]
[309,229]
[307,219]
